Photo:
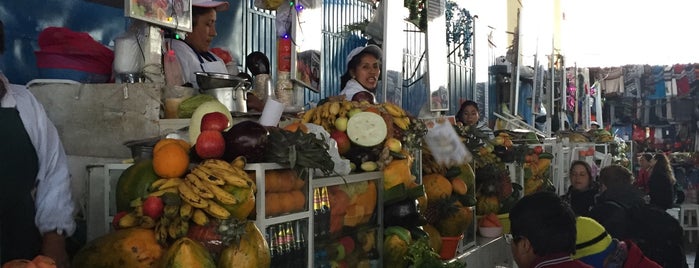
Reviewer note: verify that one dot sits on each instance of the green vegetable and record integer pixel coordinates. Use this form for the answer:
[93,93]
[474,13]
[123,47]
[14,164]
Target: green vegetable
[298,150]
[187,107]
[421,255]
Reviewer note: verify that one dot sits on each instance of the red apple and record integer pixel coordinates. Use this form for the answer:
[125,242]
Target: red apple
[210,144]
[214,121]
[343,141]
[153,207]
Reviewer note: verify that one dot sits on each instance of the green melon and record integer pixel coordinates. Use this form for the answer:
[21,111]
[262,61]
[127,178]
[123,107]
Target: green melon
[134,183]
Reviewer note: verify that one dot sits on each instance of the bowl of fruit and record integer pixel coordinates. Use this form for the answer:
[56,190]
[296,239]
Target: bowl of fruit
[489,225]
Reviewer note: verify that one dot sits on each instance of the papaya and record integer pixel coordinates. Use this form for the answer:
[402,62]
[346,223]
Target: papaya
[187,253]
[132,247]
[134,183]
[468,176]
[251,251]
[435,239]
[245,201]
[396,242]
[436,186]
[396,172]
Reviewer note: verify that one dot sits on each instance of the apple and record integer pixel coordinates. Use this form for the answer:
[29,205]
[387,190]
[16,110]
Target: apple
[341,123]
[214,121]
[343,141]
[210,144]
[354,111]
[394,145]
[153,207]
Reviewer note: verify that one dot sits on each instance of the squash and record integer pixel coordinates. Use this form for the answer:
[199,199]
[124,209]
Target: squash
[187,253]
[251,251]
[134,183]
[133,247]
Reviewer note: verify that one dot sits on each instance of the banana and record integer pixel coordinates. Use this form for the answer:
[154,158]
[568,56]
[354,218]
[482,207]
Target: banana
[188,195]
[394,110]
[147,222]
[402,122]
[347,105]
[156,184]
[163,191]
[161,232]
[174,229]
[136,202]
[218,163]
[199,217]
[171,211]
[183,228]
[217,211]
[129,220]
[198,186]
[170,183]
[239,162]
[308,115]
[225,174]
[221,195]
[186,211]
[334,108]
[207,177]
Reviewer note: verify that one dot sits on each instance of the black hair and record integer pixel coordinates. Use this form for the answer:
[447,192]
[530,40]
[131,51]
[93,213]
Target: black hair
[353,63]
[546,221]
[462,109]
[198,11]
[663,168]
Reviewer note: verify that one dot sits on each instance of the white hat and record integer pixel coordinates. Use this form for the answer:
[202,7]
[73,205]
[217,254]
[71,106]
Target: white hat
[373,49]
[218,5]
[594,123]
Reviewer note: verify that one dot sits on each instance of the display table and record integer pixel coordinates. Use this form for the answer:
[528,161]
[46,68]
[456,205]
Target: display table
[488,252]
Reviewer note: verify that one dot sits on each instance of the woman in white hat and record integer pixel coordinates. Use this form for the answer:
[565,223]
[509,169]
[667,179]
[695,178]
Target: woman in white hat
[362,76]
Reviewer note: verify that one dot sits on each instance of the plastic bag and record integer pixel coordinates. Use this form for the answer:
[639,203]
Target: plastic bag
[342,166]
[445,144]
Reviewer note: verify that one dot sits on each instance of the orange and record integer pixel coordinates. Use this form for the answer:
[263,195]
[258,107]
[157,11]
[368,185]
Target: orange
[170,161]
[293,127]
[182,143]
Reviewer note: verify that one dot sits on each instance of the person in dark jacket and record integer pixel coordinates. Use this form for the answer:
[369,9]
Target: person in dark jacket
[583,189]
[661,182]
[617,193]
[543,232]
[597,248]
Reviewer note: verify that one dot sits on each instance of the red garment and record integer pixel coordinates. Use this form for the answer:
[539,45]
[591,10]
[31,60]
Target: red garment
[561,260]
[642,180]
[636,259]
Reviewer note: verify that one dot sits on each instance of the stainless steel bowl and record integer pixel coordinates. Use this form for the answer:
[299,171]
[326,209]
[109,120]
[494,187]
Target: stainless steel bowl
[208,80]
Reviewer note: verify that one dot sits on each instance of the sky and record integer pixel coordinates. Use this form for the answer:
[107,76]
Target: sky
[619,32]
[601,33]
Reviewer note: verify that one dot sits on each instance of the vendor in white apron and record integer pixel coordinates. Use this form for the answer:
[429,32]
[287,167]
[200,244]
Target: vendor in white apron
[193,53]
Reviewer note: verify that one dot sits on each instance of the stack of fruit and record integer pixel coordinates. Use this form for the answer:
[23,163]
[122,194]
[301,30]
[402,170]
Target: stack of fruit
[169,208]
[537,171]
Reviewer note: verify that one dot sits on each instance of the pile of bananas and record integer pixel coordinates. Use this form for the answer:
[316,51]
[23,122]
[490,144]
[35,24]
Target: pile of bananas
[325,114]
[198,196]
[203,188]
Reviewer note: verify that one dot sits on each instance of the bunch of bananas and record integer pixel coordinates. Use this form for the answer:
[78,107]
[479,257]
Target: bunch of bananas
[400,117]
[203,187]
[174,223]
[325,114]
